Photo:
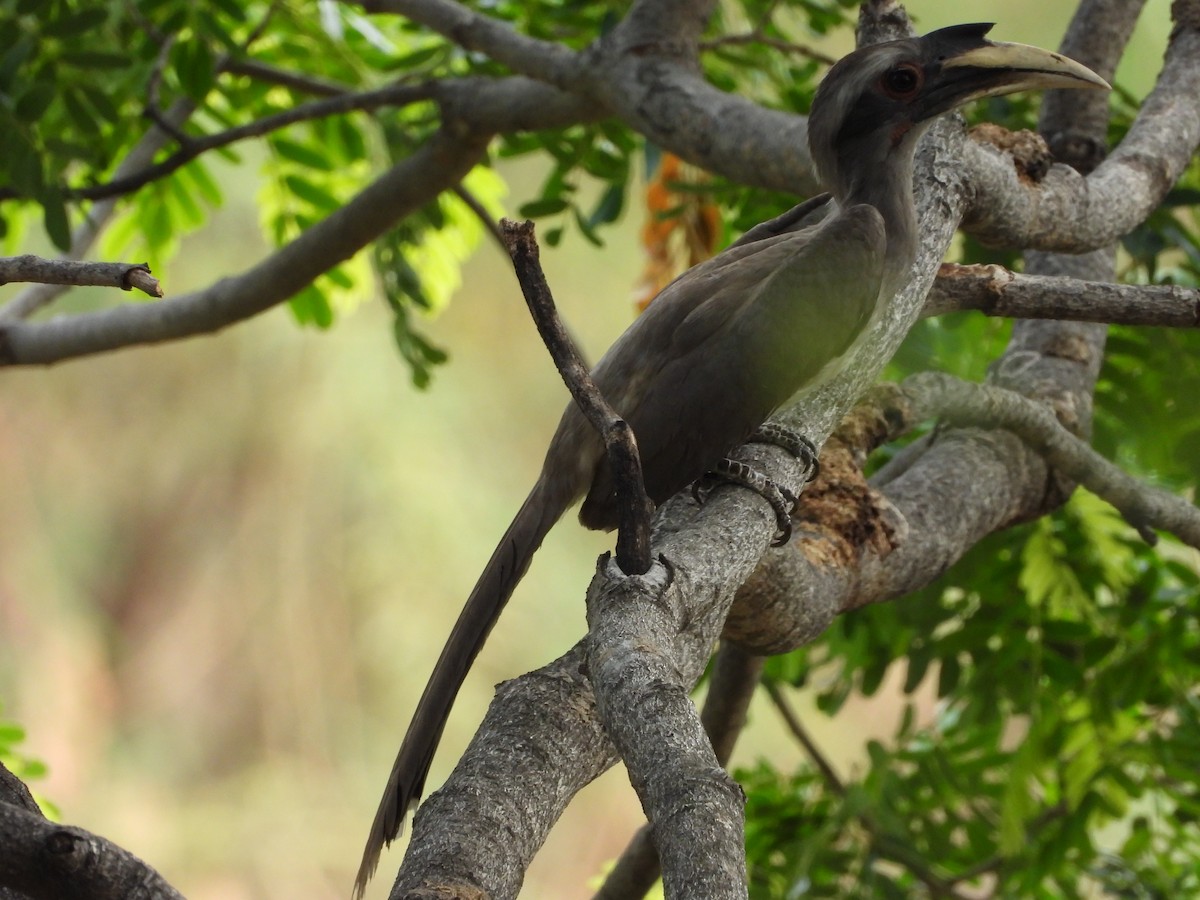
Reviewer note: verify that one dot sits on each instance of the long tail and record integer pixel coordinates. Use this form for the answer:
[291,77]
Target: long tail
[541,509]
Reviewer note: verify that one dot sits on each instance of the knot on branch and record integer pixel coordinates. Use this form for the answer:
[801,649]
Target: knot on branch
[1030,154]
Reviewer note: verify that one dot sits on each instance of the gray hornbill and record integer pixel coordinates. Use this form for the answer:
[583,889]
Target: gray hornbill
[731,340]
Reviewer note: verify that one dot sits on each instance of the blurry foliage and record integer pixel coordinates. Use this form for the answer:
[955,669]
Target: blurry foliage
[1064,747]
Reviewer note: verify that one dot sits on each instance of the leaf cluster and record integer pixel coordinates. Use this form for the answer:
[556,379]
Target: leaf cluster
[1059,752]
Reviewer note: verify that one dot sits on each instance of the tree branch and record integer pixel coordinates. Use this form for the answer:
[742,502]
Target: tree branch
[410,184]
[735,674]
[297,81]
[996,291]
[542,731]
[935,395]
[542,60]
[642,699]
[125,276]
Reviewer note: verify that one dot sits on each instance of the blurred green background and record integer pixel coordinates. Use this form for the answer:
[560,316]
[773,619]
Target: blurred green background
[226,565]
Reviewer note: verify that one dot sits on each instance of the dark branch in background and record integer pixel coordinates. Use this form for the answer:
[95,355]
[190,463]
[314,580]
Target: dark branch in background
[390,95]
[735,675]
[151,110]
[477,209]
[996,291]
[633,534]
[125,276]
[298,81]
[935,395]
[765,40]
[833,781]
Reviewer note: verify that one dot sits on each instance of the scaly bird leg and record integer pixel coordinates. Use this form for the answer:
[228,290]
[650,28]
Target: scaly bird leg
[782,501]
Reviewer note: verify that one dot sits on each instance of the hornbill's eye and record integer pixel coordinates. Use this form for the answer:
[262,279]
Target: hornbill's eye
[902,81]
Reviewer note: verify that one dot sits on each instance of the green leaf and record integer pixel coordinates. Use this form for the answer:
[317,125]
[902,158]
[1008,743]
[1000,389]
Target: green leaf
[311,193]
[75,23]
[302,154]
[101,103]
[197,173]
[546,206]
[311,308]
[35,101]
[193,64]
[55,219]
[610,206]
[94,59]
[80,111]
[231,8]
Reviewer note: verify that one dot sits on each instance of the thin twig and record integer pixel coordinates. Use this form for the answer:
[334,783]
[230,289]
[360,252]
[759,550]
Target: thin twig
[390,95]
[831,778]
[758,37]
[126,276]
[299,81]
[885,844]
[993,863]
[633,535]
[481,214]
[153,86]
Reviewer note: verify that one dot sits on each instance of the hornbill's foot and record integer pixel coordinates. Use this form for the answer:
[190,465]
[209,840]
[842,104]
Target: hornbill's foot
[733,471]
[792,441]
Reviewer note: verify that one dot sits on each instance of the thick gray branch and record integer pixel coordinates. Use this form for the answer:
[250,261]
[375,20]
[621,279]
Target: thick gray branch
[542,731]
[997,291]
[734,676]
[642,699]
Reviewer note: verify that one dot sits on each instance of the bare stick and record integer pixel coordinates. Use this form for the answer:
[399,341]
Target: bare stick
[633,535]
[125,276]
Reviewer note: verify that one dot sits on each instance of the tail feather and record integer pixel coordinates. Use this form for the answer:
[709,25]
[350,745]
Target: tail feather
[508,563]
